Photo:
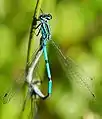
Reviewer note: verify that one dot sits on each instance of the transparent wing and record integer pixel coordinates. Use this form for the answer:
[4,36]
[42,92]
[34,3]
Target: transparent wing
[7,96]
[73,71]
[16,86]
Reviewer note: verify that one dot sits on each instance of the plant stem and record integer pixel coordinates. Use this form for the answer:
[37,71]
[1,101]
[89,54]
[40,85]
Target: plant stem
[32,31]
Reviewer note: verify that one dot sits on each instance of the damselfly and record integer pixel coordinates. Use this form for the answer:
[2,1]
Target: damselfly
[45,36]
[26,78]
[68,63]
[32,86]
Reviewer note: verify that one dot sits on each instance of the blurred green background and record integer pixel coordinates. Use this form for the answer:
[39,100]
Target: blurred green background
[77,28]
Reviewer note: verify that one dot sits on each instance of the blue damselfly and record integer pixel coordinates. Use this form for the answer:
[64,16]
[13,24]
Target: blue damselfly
[67,63]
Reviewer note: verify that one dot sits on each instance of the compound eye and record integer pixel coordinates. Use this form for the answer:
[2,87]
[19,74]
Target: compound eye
[45,17]
[49,16]
[41,16]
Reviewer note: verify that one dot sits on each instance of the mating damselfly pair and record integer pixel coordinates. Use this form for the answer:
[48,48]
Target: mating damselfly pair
[68,64]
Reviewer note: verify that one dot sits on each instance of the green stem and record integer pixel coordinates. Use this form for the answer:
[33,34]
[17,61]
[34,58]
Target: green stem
[32,31]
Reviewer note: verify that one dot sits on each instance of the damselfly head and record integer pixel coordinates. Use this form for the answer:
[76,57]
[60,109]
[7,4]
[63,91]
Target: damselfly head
[48,16]
[45,17]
